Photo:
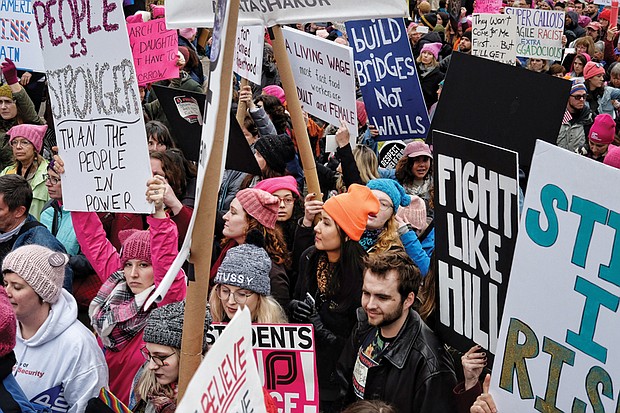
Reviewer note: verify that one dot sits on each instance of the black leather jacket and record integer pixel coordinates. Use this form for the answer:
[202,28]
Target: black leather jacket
[415,374]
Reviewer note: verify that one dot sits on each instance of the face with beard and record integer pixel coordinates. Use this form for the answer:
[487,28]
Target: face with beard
[383,304]
[465,45]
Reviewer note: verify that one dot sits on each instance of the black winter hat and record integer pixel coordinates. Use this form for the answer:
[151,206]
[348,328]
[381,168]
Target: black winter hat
[278,150]
[430,20]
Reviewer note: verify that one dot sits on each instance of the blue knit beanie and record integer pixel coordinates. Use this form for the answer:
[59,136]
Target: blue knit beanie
[393,189]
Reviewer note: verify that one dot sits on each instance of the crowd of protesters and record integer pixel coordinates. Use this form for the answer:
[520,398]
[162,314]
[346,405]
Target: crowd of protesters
[355,261]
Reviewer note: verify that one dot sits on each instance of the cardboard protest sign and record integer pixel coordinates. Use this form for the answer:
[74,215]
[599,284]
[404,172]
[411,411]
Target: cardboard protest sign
[390,153]
[249,53]
[154,50]
[198,13]
[286,363]
[185,113]
[503,106]
[558,344]
[96,106]
[487,6]
[539,32]
[476,219]
[493,37]
[324,76]
[18,36]
[387,76]
[227,379]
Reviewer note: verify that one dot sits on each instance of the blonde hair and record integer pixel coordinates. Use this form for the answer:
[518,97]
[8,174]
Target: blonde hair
[433,63]
[268,311]
[148,386]
[367,165]
[388,238]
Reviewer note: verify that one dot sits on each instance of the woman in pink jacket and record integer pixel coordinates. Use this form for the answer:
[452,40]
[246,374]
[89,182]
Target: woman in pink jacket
[117,312]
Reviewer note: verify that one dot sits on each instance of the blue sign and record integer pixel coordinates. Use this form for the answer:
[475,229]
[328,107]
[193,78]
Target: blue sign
[388,79]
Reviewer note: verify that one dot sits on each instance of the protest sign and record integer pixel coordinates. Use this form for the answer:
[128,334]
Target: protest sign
[96,106]
[387,76]
[493,36]
[487,6]
[184,111]
[390,153]
[476,219]
[227,379]
[154,50]
[324,77]
[539,32]
[248,61]
[558,344]
[286,363]
[18,35]
[198,13]
[509,116]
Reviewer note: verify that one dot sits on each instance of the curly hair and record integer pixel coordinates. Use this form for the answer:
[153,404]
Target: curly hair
[388,239]
[276,112]
[274,242]
[268,311]
[174,174]
[404,174]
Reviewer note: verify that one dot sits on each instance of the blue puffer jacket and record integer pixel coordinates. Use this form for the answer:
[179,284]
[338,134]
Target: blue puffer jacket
[12,398]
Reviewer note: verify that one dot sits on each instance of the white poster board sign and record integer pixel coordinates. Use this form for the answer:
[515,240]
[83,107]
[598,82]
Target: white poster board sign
[96,107]
[248,61]
[493,36]
[558,343]
[19,40]
[539,32]
[325,77]
[200,13]
[227,379]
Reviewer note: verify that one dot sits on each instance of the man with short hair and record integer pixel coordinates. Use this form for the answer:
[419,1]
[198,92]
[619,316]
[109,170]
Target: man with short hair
[577,119]
[579,6]
[18,227]
[392,355]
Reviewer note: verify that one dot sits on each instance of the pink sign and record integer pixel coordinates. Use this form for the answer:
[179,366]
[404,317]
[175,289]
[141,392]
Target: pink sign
[487,6]
[154,50]
[286,363]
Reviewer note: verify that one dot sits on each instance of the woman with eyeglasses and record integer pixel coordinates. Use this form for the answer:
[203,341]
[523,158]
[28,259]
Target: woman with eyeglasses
[154,386]
[242,280]
[26,142]
[255,209]
[16,108]
[600,96]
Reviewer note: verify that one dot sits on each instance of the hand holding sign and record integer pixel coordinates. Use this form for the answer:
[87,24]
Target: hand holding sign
[156,192]
[484,403]
[342,135]
[473,362]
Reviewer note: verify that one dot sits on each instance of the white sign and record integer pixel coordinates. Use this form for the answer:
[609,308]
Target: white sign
[493,37]
[324,76]
[539,32]
[19,40]
[200,13]
[227,380]
[558,343]
[96,106]
[249,53]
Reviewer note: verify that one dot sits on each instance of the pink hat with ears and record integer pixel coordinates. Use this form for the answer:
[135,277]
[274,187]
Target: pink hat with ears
[33,133]
[158,11]
[432,48]
[272,185]
[277,91]
[188,33]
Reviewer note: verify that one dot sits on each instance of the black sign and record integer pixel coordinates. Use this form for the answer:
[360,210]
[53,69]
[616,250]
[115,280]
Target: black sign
[476,221]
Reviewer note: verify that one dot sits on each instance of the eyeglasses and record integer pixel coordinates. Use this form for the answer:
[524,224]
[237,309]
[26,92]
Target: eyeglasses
[20,142]
[384,205]
[578,97]
[287,200]
[240,296]
[52,180]
[158,360]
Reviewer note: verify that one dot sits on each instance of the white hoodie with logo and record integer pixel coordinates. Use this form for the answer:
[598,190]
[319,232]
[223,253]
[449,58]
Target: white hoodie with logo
[61,366]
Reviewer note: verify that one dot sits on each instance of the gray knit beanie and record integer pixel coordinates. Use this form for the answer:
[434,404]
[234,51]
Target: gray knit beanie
[42,268]
[247,266]
[165,326]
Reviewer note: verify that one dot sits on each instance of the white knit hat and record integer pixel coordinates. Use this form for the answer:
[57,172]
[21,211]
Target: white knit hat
[42,268]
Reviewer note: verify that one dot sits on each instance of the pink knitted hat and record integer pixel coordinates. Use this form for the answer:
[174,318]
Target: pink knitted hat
[277,91]
[592,69]
[272,185]
[158,11]
[603,129]
[613,156]
[8,324]
[136,245]
[188,33]
[261,205]
[415,213]
[41,268]
[33,133]
[432,48]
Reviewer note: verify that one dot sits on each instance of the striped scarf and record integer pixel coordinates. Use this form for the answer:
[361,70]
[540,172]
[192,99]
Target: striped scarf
[116,313]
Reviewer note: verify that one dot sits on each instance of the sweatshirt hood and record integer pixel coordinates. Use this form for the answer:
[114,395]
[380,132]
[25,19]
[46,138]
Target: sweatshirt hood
[62,315]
